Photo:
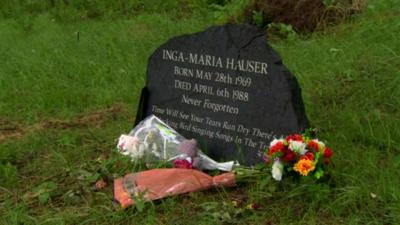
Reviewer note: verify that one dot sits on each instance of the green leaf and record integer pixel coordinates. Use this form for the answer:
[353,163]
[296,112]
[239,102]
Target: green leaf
[166,131]
[44,197]
[139,200]
[139,205]
[258,18]
[329,2]
[319,173]
[46,187]
[397,161]
[317,156]
[44,191]
[8,175]
[93,177]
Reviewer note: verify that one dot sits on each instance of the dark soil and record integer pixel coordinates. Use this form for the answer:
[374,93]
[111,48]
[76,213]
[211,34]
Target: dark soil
[304,16]
[9,130]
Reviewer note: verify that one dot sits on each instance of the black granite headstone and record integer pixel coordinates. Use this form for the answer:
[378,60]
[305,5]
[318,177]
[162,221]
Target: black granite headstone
[227,88]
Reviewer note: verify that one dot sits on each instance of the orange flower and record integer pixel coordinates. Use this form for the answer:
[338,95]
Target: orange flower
[304,166]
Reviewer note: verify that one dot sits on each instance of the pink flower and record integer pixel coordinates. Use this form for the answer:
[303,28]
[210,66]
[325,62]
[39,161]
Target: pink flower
[182,164]
[266,159]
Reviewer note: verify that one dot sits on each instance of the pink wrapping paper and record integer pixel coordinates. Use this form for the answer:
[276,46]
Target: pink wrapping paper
[159,183]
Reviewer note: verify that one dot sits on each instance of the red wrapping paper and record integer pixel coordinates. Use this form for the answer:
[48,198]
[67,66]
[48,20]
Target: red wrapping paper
[159,183]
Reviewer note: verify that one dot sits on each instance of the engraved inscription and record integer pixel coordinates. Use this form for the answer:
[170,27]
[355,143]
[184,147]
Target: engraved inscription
[227,88]
[196,84]
[243,65]
[215,129]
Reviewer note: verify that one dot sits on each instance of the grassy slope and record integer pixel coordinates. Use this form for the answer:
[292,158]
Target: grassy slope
[49,73]
[350,79]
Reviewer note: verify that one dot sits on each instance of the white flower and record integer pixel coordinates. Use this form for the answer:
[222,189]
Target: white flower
[275,141]
[277,170]
[189,159]
[298,147]
[129,145]
[126,142]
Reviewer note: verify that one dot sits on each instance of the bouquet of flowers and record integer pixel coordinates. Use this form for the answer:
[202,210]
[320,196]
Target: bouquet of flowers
[160,183]
[152,140]
[299,153]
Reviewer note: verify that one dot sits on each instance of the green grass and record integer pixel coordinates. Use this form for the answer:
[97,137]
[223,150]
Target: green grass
[51,84]
[48,72]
